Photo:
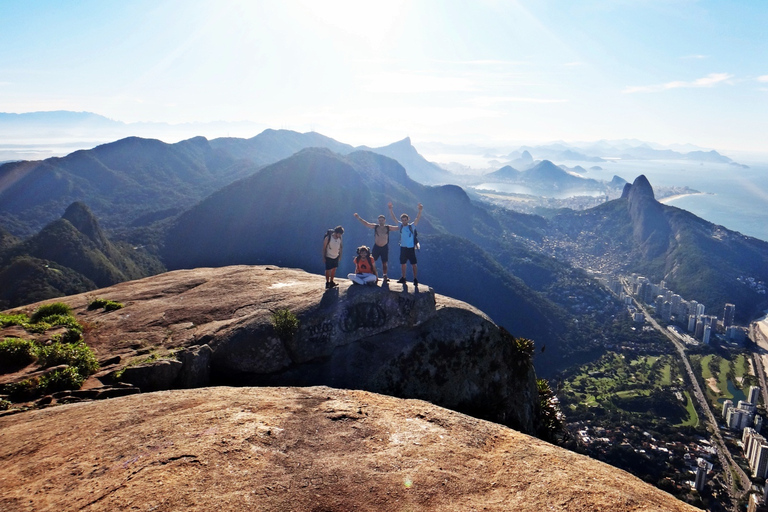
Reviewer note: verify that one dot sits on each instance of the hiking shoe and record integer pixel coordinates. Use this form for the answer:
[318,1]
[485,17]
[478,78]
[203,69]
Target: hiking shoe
[333,284]
[385,280]
[327,285]
[415,282]
[401,280]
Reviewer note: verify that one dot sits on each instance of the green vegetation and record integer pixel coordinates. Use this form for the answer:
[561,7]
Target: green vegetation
[550,416]
[630,387]
[17,319]
[154,356]
[108,305]
[285,323]
[723,376]
[65,348]
[17,352]
[55,309]
[77,355]
[693,417]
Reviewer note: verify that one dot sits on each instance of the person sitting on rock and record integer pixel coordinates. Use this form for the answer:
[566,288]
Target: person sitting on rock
[380,242]
[365,268]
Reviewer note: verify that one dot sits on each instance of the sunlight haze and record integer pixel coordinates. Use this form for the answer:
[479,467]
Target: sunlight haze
[372,73]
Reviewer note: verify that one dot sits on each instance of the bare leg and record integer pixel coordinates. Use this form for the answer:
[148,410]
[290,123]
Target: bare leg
[415,271]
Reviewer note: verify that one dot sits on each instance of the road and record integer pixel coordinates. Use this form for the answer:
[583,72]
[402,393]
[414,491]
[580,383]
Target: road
[735,489]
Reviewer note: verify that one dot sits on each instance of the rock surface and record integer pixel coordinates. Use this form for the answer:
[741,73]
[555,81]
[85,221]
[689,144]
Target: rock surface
[192,328]
[294,449]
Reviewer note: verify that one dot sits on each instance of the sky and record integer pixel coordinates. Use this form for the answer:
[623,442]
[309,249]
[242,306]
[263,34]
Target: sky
[460,72]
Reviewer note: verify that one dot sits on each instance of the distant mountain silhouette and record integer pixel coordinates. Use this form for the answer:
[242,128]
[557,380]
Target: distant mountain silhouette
[271,146]
[547,176]
[506,173]
[419,169]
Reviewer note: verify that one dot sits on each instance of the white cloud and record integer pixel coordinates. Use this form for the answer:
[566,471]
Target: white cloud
[574,64]
[763,78]
[710,80]
[697,57]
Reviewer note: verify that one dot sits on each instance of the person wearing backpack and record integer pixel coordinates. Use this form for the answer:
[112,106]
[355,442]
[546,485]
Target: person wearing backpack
[380,242]
[365,268]
[408,243]
[332,248]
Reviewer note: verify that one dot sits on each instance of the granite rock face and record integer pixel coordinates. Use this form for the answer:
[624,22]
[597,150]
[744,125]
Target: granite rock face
[295,449]
[191,328]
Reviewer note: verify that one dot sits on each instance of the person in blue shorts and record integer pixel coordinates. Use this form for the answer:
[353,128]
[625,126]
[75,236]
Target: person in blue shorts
[407,243]
[380,242]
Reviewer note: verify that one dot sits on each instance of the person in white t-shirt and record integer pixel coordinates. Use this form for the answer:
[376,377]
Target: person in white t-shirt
[332,249]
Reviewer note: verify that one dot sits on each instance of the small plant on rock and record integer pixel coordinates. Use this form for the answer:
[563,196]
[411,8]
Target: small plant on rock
[77,355]
[13,319]
[108,305]
[285,323]
[49,310]
[16,352]
[60,380]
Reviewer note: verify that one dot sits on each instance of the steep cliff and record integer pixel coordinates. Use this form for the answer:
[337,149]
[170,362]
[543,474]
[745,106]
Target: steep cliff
[193,328]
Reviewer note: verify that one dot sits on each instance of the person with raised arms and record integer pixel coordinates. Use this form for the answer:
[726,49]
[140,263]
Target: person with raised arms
[380,242]
[407,243]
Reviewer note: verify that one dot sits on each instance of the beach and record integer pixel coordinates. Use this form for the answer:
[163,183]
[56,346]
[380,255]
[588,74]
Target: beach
[669,199]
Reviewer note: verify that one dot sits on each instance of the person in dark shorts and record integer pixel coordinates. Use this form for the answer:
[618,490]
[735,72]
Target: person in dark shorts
[407,243]
[332,249]
[380,242]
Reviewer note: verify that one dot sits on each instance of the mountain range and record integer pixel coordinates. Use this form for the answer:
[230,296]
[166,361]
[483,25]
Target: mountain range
[269,199]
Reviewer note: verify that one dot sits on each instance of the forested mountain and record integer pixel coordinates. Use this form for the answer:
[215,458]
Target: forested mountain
[279,216]
[698,259]
[134,182]
[69,255]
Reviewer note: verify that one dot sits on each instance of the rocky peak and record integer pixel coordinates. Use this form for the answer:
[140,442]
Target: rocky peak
[649,224]
[215,326]
[80,216]
[641,188]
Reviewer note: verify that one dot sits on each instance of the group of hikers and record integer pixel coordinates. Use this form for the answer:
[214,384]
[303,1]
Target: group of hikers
[365,259]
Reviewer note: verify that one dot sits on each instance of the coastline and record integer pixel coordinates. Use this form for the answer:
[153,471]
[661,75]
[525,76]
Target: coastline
[762,324]
[675,197]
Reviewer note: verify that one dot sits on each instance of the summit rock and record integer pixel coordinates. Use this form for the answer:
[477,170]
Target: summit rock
[193,328]
[295,449]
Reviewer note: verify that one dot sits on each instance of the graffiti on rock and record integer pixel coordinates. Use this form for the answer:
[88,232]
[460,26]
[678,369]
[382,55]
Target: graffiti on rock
[363,315]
